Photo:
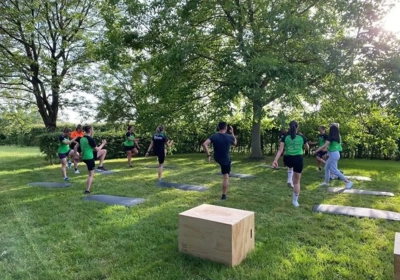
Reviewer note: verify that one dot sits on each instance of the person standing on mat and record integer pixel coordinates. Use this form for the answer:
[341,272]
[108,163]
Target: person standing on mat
[334,145]
[64,151]
[130,144]
[322,137]
[90,151]
[293,144]
[158,143]
[222,143]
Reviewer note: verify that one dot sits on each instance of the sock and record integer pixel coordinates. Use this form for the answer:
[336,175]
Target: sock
[295,197]
[290,175]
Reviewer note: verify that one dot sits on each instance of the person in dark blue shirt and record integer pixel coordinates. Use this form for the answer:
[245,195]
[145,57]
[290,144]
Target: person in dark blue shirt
[158,142]
[222,143]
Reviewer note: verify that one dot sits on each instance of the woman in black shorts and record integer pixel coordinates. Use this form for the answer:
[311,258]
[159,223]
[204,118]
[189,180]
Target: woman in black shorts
[130,144]
[158,143]
[293,143]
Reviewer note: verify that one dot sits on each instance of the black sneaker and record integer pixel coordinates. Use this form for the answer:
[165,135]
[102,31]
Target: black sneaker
[87,192]
[224,197]
[101,168]
[319,169]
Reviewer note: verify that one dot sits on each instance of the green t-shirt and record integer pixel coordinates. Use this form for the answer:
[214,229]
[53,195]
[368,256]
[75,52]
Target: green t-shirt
[129,137]
[63,148]
[335,146]
[322,139]
[87,144]
[294,147]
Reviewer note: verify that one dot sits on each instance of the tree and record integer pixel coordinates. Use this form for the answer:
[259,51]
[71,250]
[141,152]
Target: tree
[43,51]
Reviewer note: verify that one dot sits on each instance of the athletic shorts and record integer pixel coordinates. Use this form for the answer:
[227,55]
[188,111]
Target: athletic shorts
[129,148]
[321,154]
[89,163]
[61,156]
[161,157]
[295,162]
[94,155]
[225,168]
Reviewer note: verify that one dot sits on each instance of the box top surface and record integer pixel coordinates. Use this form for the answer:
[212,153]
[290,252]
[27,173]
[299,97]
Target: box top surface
[397,244]
[218,214]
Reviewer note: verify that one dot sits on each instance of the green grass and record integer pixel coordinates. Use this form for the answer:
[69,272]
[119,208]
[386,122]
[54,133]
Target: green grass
[53,234]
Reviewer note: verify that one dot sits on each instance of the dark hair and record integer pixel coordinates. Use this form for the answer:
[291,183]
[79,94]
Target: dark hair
[79,126]
[322,127]
[334,133]
[293,129]
[87,128]
[160,128]
[67,130]
[129,127]
[221,126]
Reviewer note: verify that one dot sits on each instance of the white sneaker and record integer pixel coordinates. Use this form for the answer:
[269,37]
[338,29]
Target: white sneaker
[290,184]
[77,171]
[324,184]
[349,185]
[295,203]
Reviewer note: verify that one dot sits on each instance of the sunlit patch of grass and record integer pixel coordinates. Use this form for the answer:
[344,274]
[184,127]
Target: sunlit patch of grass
[54,234]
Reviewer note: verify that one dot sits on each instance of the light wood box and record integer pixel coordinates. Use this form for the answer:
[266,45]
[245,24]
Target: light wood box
[396,253]
[216,233]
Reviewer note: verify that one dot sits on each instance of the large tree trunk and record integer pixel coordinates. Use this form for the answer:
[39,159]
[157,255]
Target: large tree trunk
[256,149]
[49,116]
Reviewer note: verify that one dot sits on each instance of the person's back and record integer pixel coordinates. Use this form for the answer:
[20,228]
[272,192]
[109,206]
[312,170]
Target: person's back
[222,143]
[159,140]
[87,149]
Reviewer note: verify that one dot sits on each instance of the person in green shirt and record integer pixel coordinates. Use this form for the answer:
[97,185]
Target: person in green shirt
[293,143]
[131,144]
[334,146]
[322,137]
[64,152]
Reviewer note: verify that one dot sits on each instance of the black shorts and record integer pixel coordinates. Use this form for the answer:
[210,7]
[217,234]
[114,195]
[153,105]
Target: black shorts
[321,154]
[161,157]
[295,162]
[225,168]
[94,155]
[129,148]
[89,163]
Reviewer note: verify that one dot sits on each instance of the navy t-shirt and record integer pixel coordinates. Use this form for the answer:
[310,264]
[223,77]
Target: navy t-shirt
[159,141]
[222,143]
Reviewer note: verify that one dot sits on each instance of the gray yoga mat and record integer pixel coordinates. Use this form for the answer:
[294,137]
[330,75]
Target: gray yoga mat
[359,178]
[115,200]
[356,212]
[50,184]
[184,187]
[108,172]
[238,175]
[164,167]
[356,191]
[270,166]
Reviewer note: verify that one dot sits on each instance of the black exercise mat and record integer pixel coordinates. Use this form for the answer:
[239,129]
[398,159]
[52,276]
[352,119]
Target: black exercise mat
[115,200]
[184,187]
[50,184]
[108,172]
[165,167]
[238,175]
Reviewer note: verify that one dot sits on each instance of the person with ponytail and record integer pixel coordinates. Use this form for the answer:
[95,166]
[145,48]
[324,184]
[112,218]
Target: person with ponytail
[293,143]
[334,146]
[158,142]
[64,152]
[130,144]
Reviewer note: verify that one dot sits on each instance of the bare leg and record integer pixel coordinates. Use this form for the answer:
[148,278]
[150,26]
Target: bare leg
[64,167]
[101,155]
[225,182]
[160,171]
[89,180]
[72,155]
[129,156]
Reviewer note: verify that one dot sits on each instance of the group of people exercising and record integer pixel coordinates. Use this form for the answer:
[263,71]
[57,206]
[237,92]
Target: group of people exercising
[80,145]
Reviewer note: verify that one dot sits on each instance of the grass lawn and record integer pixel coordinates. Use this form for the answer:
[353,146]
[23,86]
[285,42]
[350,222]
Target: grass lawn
[53,234]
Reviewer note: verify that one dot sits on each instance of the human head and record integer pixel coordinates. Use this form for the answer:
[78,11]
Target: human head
[293,127]
[222,127]
[160,128]
[79,128]
[334,133]
[130,127]
[67,131]
[335,124]
[88,129]
[321,129]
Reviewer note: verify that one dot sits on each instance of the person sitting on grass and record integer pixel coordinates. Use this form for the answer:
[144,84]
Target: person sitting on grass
[222,142]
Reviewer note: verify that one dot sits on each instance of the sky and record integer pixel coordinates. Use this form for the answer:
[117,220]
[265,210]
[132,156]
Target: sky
[391,23]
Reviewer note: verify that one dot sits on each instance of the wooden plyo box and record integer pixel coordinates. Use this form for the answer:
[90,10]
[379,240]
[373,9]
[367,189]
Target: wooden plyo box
[216,233]
[396,253]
